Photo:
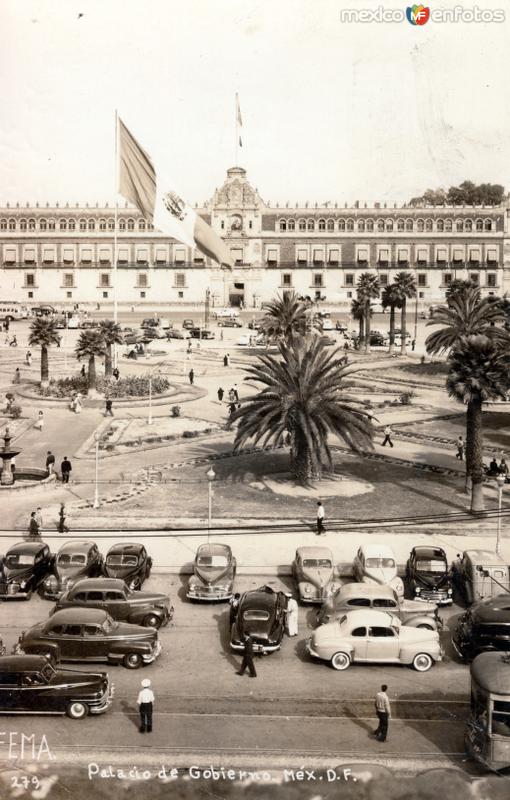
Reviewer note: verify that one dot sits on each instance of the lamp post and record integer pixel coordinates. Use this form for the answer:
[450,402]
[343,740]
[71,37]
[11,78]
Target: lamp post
[210,478]
[500,480]
[149,421]
[97,437]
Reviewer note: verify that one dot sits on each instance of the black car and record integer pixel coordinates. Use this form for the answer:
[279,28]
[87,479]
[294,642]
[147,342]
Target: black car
[201,333]
[261,613]
[484,627]
[129,561]
[76,559]
[428,576]
[24,567]
[32,685]
[229,322]
[378,339]
[149,609]
[90,634]
[256,324]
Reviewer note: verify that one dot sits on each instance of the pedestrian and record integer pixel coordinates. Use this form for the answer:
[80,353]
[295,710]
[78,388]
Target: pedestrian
[17,376]
[383,711]
[220,394]
[231,396]
[189,348]
[247,661]
[65,469]
[460,449]
[413,345]
[50,462]
[146,705]
[33,526]
[387,436]
[62,527]
[226,360]
[13,342]
[116,374]
[39,423]
[108,410]
[292,616]
[191,375]
[28,358]
[503,468]
[234,605]
[77,403]
[493,467]
[83,372]
[235,392]
[39,517]
[13,468]
[231,408]
[7,325]
[320,519]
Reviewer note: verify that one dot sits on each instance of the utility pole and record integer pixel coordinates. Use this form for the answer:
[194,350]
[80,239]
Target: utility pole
[207,306]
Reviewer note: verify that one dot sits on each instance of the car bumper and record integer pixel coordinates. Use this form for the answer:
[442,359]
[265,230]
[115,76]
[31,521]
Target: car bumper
[209,593]
[105,701]
[150,657]
[434,597]
[13,592]
[257,648]
[458,650]
[310,650]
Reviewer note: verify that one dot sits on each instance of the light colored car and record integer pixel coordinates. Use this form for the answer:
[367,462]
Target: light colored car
[374,637]
[227,312]
[355,596]
[244,340]
[313,570]
[376,563]
[327,325]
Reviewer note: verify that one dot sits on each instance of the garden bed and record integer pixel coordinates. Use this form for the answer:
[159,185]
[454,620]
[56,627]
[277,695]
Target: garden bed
[123,435]
[136,386]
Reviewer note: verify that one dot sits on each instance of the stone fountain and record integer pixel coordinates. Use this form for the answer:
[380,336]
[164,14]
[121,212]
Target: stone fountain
[6,454]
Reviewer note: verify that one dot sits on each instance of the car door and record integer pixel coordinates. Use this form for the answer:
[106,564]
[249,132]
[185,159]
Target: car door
[382,644]
[94,599]
[359,643]
[117,605]
[71,643]
[35,694]
[95,644]
[10,691]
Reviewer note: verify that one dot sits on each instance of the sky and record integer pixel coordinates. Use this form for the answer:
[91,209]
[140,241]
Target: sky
[331,110]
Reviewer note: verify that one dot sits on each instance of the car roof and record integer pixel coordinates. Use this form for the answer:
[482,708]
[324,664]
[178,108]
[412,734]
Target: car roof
[365,590]
[377,550]
[259,598]
[214,548]
[76,546]
[488,557]
[490,671]
[22,663]
[125,547]
[79,615]
[314,552]
[370,617]
[494,609]
[429,552]
[99,584]
[26,547]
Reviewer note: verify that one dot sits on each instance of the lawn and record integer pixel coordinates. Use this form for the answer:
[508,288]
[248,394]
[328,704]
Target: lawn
[496,426]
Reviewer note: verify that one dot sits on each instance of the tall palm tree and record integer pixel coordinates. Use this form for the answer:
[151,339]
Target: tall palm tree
[89,345]
[458,286]
[358,314]
[405,288]
[43,333]
[479,371]
[112,334]
[367,289]
[285,317]
[305,394]
[466,314]
[389,299]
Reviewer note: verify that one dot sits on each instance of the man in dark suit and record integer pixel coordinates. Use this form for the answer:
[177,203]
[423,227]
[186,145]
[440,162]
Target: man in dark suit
[248,657]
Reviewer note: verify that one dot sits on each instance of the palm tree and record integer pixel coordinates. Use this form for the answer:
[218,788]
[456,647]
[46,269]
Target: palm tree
[305,395]
[404,288]
[285,317]
[89,345]
[368,288]
[112,334]
[358,314]
[390,300]
[43,333]
[466,314]
[458,286]
[479,371]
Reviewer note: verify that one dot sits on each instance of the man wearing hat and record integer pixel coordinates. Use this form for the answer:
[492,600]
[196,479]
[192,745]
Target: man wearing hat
[145,702]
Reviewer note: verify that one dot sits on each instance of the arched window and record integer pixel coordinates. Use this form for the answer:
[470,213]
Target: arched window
[51,224]
[83,224]
[111,224]
[350,225]
[71,224]
[291,225]
[400,225]
[322,224]
[370,225]
[488,225]
[310,225]
[102,224]
[409,225]
[380,224]
[448,225]
[331,225]
[302,225]
[62,224]
[389,224]
[92,225]
[130,224]
[12,224]
[361,225]
[341,224]
[3,224]
[420,225]
[479,224]
[22,224]
[122,224]
[283,224]
[31,224]
[141,225]
[440,225]
[459,225]
[468,225]
[429,225]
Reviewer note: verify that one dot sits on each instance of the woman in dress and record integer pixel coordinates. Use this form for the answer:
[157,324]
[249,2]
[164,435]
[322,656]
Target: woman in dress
[39,423]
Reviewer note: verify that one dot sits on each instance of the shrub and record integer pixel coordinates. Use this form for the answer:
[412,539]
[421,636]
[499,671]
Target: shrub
[406,398]
[130,386]
[175,411]
[189,434]
[16,411]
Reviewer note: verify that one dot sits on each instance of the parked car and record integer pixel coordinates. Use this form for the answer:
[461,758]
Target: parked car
[32,685]
[150,322]
[76,559]
[188,323]
[398,332]
[134,338]
[2,649]
[214,570]
[229,322]
[175,333]
[373,637]
[378,339]
[129,561]
[353,596]
[261,613]
[313,571]
[226,312]
[340,326]
[256,324]
[24,567]
[90,634]
[87,324]
[327,325]
[201,333]
[483,627]
[43,311]
[327,341]
[244,340]
[479,574]
[153,333]
[150,609]
[428,576]
[376,563]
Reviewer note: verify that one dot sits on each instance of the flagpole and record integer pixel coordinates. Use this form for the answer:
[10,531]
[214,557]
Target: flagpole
[115,221]
[237,129]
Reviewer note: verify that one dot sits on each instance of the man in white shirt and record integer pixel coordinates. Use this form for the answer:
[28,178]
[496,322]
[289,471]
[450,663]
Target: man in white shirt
[145,704]
[320,518]
[383,711]
[387,436]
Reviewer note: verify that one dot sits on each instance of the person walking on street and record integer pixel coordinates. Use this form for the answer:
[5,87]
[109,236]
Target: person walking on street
[320,519]
[503,469]
[33,526]
[191,375]
[83,372]
[387,436]
[235,393]
[65,469]
[413,345]
[17,376]
[460,449]
[62,527]
[226,360]
[116,373]
[28,358]
[50,463]
[108,409]
[39,518]
[234,605]
[231,408]
[247,662]
[383,711]
[146,706]
[292,616]
[39,423]
[13,342]
[220,394]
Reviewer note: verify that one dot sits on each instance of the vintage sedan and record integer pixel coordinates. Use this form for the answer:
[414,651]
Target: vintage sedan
[149,609]
[483,628]
[374,637]
[428,576]
[129,561]
[261,614]
[90,634]
[76,559]
[376,563]
[214,571]
[24,567]
[354,596]
[314,573]
[32,685]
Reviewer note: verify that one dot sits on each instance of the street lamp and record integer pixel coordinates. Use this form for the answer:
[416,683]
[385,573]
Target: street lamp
[210,478]
[97,438]
[500,480]
[149,421]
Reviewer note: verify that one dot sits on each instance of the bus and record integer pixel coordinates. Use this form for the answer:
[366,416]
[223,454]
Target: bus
[487,737]
[11,310]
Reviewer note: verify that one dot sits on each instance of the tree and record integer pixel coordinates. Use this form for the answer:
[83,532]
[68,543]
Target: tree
[305,394]
[404,287]
[367,289]
[43,334]
[390,300]
[285,317]
[467,314]
[468,193]
[456,287]
[112,334]
[479,371]
[358,314]
[432,197]
[89,345]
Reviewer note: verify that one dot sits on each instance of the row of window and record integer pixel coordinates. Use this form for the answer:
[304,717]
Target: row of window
[439,225]
[44,224]
[104,279]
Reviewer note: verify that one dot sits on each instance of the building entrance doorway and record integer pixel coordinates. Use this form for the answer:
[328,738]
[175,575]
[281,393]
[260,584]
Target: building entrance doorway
[236,294]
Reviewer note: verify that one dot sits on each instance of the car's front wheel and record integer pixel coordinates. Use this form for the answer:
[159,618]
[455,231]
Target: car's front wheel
[77,710]
[426,627]
[340,661]
[132,661]
[151,621]
[422,662]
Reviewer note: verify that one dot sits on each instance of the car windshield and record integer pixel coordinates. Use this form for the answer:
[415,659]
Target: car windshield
[431,565]
[19,560]
[121,561]
[379,562]
[212,561]
[255,614]
[109,625]
[317,562]
[71,559]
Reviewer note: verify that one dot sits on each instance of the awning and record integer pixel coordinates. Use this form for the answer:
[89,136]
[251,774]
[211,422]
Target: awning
[441,254]
[10,255]
[458,254]
[272,254]
[492,254]
[28,254]
[199,256]
[384,255]
[180,255]
[403,255]
[318,256]
[237,254]
[105,254]
[334,256]
[68,255]
[474,254]
[421,254]
[86,254]
[363,254]
[123,255]
[302,255]
[48,255]
[161,256]
[142,255]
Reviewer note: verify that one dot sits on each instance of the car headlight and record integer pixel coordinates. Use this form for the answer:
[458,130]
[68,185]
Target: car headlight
[51,582]
[307,587]
[223,587]
[132,583]
[450,592]
[22,584]
[417,589]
